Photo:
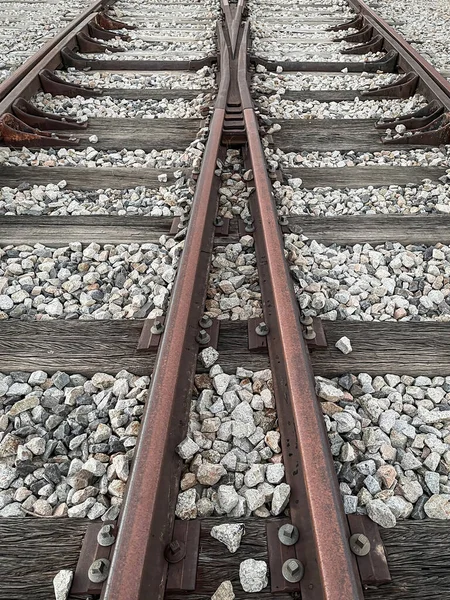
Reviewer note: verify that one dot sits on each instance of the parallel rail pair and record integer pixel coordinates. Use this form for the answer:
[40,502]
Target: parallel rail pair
[138,568]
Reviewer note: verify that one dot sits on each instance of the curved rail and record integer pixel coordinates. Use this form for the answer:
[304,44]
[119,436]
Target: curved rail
[20,76]
[409,58]
[315,504]
[138,567]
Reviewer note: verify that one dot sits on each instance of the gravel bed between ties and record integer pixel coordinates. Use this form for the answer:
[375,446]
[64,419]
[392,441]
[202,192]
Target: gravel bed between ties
[232,453]
[360,108]
[31,25]
[266,82]
[55,200]
[234,293]
[390,439]
[92,158]
[201,79]
[94,282]
[370,283]
[428,157]
[426,197]
[66,442]
[82,108]
[424,24]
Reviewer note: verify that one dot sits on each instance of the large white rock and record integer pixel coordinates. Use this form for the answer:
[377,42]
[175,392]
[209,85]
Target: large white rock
[253,575]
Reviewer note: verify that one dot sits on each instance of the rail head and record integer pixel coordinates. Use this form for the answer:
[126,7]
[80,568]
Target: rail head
[315,505]
[138,568]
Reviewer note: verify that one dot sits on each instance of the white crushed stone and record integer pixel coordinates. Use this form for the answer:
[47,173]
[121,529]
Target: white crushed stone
[233,461]
[426,197]
[201,79]
[386,282]
[276,107]
[425,157]
[424,24]
[56,200]
[66,443]
[27,26]
[82,108]
[93,282]
[267,82]
[390,441]
[233,292]
[92,158]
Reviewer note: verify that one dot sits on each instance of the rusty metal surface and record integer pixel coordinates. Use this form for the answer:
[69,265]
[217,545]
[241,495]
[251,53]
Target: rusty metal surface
[278,554]
[315,504]
[55,85]
[90,551]
[138,569]
[29,83]
[16,133]
[373,567]
[409,58]
[182,575]
[29,114]
[18,76]
[402,88]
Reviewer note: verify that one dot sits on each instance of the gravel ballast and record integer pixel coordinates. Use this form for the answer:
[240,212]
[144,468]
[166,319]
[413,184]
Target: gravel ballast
[201,79]
[370,283]
[232,454]
[390,440]
[426,197]
[66,442]
[56,200]
[93,282]
[106,107]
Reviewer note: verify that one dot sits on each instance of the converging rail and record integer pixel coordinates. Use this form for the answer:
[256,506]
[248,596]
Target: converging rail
[147,553]
[138,567]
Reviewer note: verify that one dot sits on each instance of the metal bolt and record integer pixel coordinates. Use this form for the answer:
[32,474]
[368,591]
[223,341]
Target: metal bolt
[105,536]
[205,322]
[262,329]
[99,570]
[203,337]
[292,570]
[309,334]
[283,220]
[218,221]
[175,551]
[288,534]
[249,227]
[306,320]
[359,544]
[157,328]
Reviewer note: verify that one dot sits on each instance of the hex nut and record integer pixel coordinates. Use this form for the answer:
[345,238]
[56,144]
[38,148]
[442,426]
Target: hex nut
[99,570]
[288,534]
[292,570]
[105,536]
[203,337]
[262,329]
[359,544]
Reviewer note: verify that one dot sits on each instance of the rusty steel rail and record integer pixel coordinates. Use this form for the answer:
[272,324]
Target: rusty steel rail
[138,568]
[22,73]
[409,59]
[315,503]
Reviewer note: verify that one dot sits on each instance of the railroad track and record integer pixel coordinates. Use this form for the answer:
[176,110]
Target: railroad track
[238,210]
